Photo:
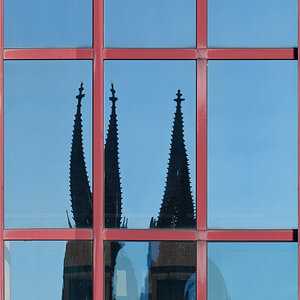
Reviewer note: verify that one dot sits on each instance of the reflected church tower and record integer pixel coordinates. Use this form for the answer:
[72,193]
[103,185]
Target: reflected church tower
[169,279]
[112,196]
[77,275]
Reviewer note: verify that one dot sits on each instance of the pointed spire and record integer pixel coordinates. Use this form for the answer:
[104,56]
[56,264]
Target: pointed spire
[81,196]
[177,208]
[113,195]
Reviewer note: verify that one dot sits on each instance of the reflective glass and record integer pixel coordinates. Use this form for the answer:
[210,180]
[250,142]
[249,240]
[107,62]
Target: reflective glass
[149,24]
[47,144]
[150,270]
[252,271]
[48,270]
[252,144]
[252,23]
[150,144]
[47,23]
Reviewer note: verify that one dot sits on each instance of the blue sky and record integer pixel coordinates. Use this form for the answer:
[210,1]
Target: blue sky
[39,110]
[252,144]
[150,24]
[254,270]
[48,23]
[252,23]
[145,110]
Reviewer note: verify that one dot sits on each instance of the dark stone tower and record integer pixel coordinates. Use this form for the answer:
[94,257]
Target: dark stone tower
[81,196]
[77,277]
[177,208]
[169,278]
[113,194]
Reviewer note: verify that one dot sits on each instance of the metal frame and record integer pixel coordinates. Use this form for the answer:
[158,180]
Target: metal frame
[201,234]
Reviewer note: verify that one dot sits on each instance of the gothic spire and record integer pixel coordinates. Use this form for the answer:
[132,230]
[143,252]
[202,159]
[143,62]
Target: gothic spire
[177,208]
[113,194]
[81,196]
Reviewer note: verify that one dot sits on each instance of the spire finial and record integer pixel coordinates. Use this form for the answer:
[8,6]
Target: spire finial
[113,99]
[80,95]
[179,99]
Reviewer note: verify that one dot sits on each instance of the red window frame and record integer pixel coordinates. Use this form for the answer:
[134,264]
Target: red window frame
[98,234]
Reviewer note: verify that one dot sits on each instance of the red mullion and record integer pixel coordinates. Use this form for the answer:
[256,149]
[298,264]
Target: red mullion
[201,24]
[149,235]
[1,157]
[98,257]
[298,149]
[47,234]
[48,54]
[201,206]
[149,54]
[201,270]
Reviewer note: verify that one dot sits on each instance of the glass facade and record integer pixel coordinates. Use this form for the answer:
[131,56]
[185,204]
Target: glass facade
[149,149]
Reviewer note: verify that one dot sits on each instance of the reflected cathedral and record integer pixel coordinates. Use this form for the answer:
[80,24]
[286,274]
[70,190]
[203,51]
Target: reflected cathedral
[167,278]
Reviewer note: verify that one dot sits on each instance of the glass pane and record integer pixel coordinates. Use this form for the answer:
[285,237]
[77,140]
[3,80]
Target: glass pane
[47,23]
[149,24]
[47,144]
[150,270]
[48,270]
[255,23]
[149,154]
[252,144]
[252,271]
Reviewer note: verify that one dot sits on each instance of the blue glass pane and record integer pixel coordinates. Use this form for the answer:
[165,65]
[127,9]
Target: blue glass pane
[150,270]
[252,23]
[47,23]
[149,24]
[48,270]
[252,144]
[44,169]
[150,158]
[250,271]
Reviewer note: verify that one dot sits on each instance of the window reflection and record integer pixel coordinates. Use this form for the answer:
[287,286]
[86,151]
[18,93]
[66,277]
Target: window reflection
[140,173]
[154,270]
[48,270]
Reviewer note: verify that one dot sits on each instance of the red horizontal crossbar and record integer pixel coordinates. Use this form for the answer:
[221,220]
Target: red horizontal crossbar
[48,53]
[290,53]
[48,234]
[201,235]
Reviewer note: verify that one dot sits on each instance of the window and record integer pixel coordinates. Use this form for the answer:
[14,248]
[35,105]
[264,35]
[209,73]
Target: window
[110,189]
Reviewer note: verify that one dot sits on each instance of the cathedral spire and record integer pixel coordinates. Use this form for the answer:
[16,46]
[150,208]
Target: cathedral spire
[81,196]
[177,208]
[113,194]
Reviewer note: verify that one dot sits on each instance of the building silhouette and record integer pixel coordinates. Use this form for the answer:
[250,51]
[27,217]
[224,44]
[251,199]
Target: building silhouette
[172,264]
[78,270]
[112,196]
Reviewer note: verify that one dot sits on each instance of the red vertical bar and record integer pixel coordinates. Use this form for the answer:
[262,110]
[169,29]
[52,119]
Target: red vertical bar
[98,264]
[201,145]
[201,270]
[201,24]
[298,149]
[1,158]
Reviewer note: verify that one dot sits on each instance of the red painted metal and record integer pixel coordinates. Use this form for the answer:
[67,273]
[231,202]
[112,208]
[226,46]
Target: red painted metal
[201,270]
[201,24]
[48,53]
[251,235]
[1,157]
[149,235]
[201,144]
[290,53]
[48,234]
[298,149]
[149,53]
[98,141]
